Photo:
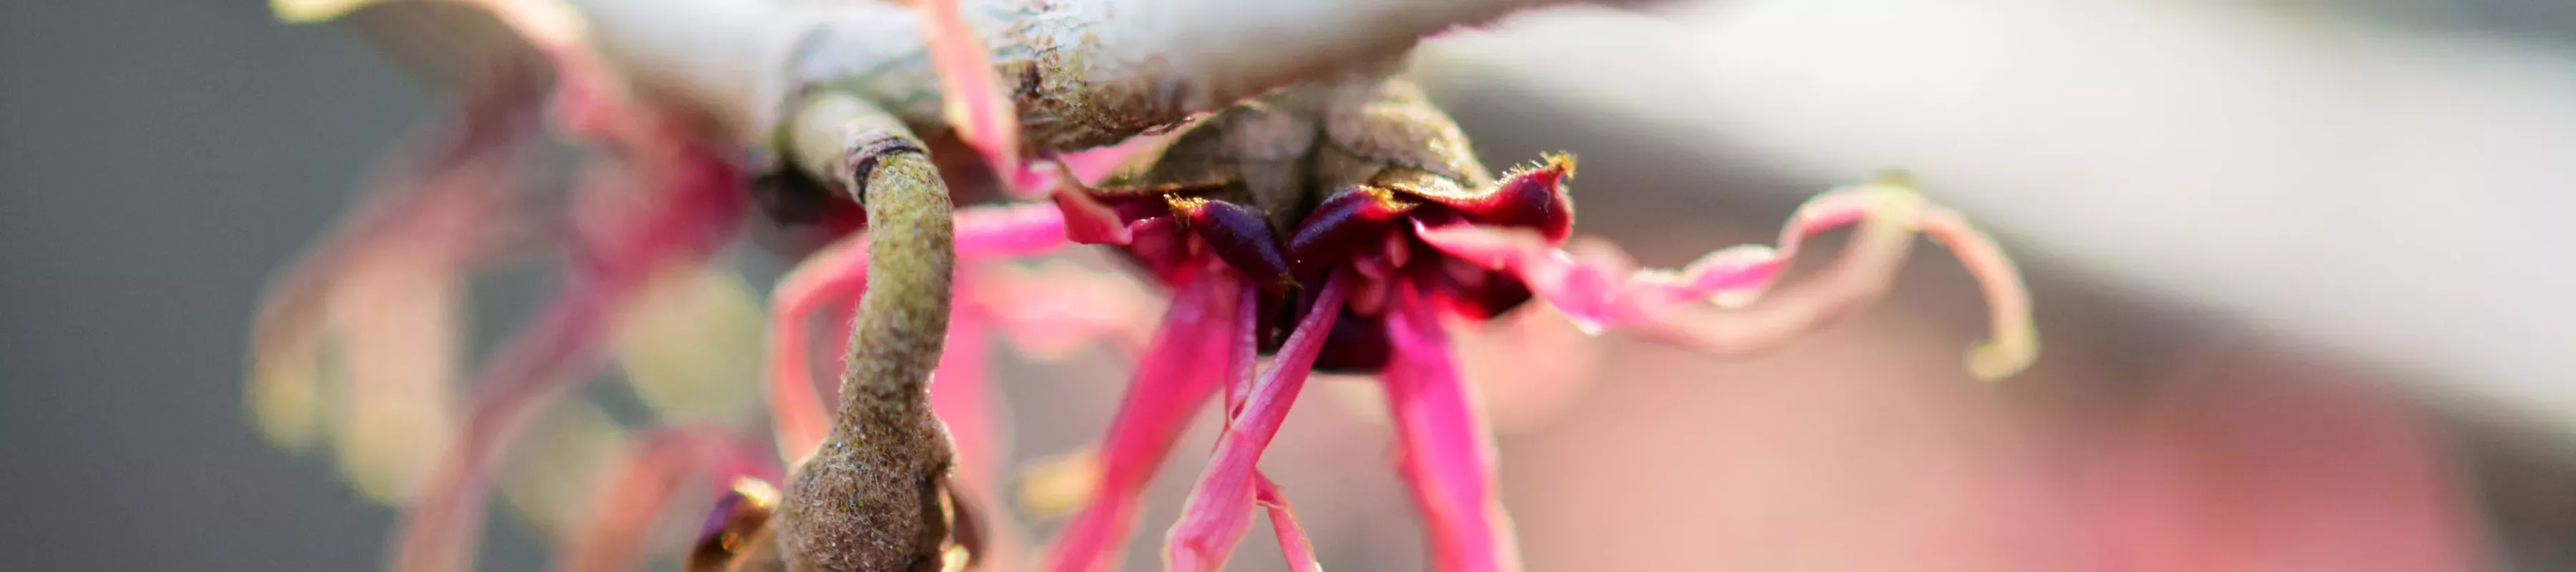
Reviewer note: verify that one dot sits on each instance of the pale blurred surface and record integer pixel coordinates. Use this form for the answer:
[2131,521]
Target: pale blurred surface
[2382,184]
[2272,247]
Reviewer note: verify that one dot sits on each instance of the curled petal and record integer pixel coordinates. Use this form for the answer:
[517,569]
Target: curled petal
[1283,523]
[1220,507]
[1889,213]
[1185,367]
[2015,341]
[1656,300]
[1448,453]
[1735,276]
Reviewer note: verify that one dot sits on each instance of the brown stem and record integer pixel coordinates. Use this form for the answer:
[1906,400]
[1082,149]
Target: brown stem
[869,500]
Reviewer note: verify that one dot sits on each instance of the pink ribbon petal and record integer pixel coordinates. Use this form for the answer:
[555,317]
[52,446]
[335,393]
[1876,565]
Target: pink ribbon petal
[1585,288]
[974,100]
[1220,507]
[1184,368]
[1087,221]
[1283,523]
[1599,290]
[1448,453]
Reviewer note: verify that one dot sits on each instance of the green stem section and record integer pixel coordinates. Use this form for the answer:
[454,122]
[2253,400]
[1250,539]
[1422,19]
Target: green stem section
[869,500]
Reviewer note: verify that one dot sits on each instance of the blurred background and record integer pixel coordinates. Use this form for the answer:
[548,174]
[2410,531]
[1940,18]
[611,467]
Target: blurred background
[2300,266]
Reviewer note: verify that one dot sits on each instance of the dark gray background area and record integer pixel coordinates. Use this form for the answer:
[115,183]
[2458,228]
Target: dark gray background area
[162,160]
[159,161]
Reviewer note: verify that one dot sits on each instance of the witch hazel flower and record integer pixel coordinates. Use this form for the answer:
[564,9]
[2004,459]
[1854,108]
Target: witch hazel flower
[1334,226]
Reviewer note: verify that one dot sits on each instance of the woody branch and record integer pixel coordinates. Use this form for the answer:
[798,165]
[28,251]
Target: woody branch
[1082,73]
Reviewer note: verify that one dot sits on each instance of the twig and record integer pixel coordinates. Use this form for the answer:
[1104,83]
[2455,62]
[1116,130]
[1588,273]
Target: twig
[1083,73]
[870,498]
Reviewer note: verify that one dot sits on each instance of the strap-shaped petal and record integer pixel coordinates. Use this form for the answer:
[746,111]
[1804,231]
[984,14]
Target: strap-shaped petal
[1184,369]
[1601,289]
[1219,510]
[1283,523]
[1448,451]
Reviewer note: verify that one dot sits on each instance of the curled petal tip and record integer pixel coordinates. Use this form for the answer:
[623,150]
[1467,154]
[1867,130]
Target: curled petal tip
[2005,356]
[1558,165]
[310,11]
[1549,174]
[1054,488]
[2014,344]
[1901,206]
[1534,197]
[1732,299]
[286,403]
[1283,522]
[1896,179]
[1894,200]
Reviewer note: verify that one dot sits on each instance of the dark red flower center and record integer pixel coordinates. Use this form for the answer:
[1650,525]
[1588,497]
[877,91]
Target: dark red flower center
[1368,228]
